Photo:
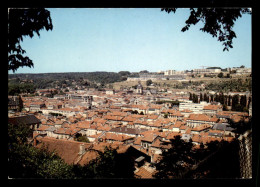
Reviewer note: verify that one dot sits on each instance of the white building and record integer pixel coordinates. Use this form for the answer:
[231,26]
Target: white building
[208,70]
[196,108]
[169,72]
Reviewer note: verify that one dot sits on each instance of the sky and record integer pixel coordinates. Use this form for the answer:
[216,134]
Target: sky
[131,39]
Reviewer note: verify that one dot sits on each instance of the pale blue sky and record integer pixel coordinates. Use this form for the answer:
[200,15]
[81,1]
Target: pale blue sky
[130,39]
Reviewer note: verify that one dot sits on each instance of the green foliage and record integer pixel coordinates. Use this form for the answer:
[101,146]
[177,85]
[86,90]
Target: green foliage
[166,115]
[175,160]
[104,164]
[218,22]
[172,102]
[213,160]
[195,98]
[149,82]
[225,108]
[51,80]
[220,75]
[221,161]
[26,161]
[230,85]
[241,126]
[18,133]
[16,88]
[134,112]
[110,164]
[21,23]
[81,138]
[55,114]
[124,73]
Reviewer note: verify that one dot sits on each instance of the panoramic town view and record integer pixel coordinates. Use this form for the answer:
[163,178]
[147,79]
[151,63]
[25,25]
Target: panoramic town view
[72,117]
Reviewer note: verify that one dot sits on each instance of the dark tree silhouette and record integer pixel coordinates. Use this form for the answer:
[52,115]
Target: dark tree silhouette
[241,126]
[21,23]
[26,161]
[176,160]
[218,22]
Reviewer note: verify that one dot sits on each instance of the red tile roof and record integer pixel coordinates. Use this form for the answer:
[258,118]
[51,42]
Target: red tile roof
[114,118]
[143,173]
[201,117]
[172,135]
[201,127]
[212,107]
[66,149]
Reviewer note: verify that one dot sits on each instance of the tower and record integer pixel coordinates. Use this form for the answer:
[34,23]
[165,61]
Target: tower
[139,88]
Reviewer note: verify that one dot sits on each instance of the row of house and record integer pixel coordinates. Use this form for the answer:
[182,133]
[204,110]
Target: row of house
[113,119]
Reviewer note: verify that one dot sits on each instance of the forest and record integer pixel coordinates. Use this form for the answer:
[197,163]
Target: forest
[28,83]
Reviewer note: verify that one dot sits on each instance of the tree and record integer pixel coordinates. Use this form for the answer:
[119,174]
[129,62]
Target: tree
[221,98]
[220,75]
[144,71]
[228,75]
[225,108]
[205,97]
[201,97]
[17,134]
[20,103]
[149,82]
[21,23]
[110,164]
[218,22]
[241,126]
[235,104]
[124,73]
[243,102]
[220,160]
[191,96]
[26,161]
[166,115]
[80,138]
[195,98]
[176,160]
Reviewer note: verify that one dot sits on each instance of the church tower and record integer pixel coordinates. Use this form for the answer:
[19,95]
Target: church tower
[139,89]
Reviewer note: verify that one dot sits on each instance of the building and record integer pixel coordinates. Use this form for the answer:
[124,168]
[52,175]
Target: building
[201,71]
[169,72]
[15,103]
[139,89]
[195,120]
[209,70]
[29,120]
[196,108]
[87,99]
[110,92]
[212,109]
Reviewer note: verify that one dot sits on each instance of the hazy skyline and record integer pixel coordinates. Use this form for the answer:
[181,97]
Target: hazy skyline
[130,39]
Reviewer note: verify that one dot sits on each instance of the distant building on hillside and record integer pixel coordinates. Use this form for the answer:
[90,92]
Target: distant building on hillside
[139,89]
[209,70]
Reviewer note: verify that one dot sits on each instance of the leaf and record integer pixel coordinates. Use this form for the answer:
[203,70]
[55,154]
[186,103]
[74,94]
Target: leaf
[24,22]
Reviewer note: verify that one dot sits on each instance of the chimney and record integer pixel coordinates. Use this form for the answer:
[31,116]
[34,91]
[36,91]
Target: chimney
[82,149]
[34,142]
